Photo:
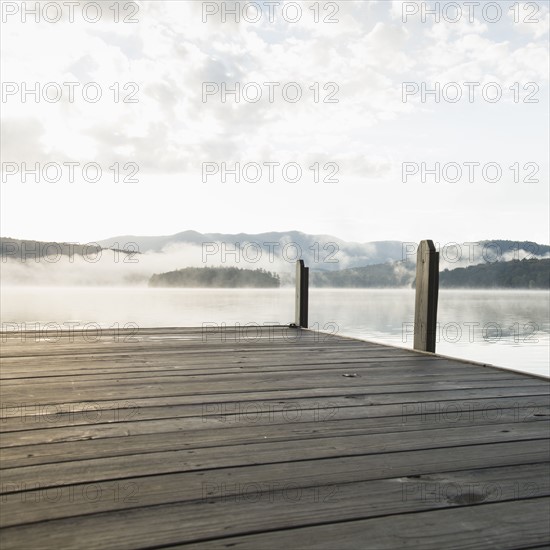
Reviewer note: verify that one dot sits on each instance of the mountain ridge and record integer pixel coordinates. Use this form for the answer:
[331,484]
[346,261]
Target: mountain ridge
[319,252]
[331,253]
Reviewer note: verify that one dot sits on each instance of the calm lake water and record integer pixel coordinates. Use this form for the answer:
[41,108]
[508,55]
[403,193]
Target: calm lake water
[505,328]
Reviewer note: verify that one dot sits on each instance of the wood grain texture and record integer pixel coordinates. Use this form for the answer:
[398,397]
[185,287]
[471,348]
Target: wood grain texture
[188,438]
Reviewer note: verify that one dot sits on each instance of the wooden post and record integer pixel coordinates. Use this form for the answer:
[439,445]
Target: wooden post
[302,291]
[427,289]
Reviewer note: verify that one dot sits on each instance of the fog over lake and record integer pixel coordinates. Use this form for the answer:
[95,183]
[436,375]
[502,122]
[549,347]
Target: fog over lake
[510,329]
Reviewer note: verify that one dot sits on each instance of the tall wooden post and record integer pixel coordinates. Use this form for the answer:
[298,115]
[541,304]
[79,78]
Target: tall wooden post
[302,291]
[427,289]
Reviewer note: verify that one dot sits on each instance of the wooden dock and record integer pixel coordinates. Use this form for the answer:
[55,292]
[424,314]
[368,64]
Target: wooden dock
[280,438]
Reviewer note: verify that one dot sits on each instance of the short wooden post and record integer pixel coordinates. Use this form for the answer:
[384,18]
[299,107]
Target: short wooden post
[427,289]
[302,291]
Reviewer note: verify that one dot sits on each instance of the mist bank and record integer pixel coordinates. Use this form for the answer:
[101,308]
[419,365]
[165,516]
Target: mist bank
[332,262]
[326,252]
[37,263]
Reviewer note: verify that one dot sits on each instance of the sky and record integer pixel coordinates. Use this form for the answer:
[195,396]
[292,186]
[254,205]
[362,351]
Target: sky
[123,111]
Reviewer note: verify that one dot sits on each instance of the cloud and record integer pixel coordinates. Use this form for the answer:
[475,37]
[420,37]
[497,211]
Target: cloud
[171,131]
[531,18]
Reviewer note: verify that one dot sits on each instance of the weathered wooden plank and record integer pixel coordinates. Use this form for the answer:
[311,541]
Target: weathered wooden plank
[379,447]
[217,339]
[316,415]
[241,349]
[134,361]
[528,388]
[255,412]
[44,369]
[263,502]
[47,373]
[24,417]
[504,525]
[317,418]
[91,443]
[245,426]
[258,381]
[520,522]
[364,394]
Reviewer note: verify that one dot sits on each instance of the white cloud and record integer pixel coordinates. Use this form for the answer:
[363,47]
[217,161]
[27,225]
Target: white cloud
[531,18]
[170,53]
